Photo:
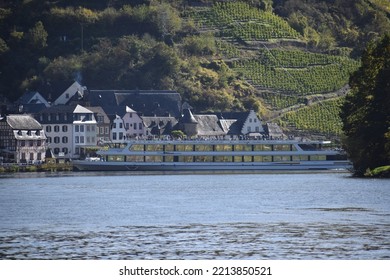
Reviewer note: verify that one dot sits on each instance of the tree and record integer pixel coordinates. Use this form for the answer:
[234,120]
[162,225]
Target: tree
[365,112]
[37,36]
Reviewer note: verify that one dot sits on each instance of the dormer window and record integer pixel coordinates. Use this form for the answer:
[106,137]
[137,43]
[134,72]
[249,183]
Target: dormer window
[19,132]
[29,132]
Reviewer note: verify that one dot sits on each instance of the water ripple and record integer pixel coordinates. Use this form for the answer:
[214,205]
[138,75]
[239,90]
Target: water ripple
[204,241]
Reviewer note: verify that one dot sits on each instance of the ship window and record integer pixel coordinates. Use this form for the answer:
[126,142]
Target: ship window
[267,158]
[137,147]
[238,159]
[258,147]
[154,147]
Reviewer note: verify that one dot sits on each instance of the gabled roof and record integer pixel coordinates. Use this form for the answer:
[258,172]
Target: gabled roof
[28,98]
[82,110]
[159,125]
[25,122]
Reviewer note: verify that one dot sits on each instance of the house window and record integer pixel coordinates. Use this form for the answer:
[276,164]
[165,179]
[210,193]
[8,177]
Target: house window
[39,143]
[39,156]
[88,128]
[114,125]
[101,130]
[250,120]
[64,139]
[31,143]
[120,135]
[48,140]
[48,128]
[257,129]
[23,156]
[140,125]
[255,120]
[81,128]
[22,143]
[88,139]
[56,128]
[77,139]
[93,128]
[249,129]
[106,130]
[31,156]
[56,151]
[64,128]
[114,136]
[135,125]
[120,125]
[82,139]
[56,139]
[65,150]
[77,151]
[131,115]
[77,128]
[92,139]
[127,125]
[57,117]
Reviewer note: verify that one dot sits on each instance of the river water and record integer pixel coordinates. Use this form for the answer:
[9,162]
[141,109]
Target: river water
[188,216]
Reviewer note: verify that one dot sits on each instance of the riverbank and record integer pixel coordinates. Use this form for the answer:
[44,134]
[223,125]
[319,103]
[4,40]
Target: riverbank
[379,172]
[45,167]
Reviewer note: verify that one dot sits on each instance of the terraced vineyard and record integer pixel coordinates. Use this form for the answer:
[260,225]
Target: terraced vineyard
[297,72]
[322,118]
[284,77]
[239,20]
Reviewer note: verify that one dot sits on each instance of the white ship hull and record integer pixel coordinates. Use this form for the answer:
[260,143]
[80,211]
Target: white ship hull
[217,155]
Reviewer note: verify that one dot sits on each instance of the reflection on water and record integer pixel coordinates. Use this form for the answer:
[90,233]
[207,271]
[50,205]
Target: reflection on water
[197,241]
[257,216]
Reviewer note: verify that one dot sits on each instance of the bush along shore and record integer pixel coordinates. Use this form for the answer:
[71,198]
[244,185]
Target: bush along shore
[45,167]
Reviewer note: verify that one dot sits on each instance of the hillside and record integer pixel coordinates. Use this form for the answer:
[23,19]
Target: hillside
[288,59]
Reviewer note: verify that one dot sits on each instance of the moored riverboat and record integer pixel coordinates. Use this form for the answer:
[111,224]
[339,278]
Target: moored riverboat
[216,155]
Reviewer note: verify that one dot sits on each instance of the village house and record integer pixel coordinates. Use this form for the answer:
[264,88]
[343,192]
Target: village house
[31,102]
[84,131]
[57,122]
[75,92]
[133,123]
[22,140]
[118,131]
[103,123]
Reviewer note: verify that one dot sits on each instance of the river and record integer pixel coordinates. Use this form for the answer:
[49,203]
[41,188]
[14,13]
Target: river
[189,216]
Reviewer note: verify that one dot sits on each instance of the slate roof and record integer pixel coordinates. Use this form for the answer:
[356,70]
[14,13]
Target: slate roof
[159,125]
[23,122]
[145,102]
[61,110]
[208,125]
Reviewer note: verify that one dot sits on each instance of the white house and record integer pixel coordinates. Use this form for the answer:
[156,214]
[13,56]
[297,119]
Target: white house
[84,130]
[133,123]
[118,131]
[252,124]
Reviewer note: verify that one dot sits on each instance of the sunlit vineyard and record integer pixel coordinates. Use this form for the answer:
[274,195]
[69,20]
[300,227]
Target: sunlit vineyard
[322,117]
[239,20]
[297,72]
[226,49]
[284,77]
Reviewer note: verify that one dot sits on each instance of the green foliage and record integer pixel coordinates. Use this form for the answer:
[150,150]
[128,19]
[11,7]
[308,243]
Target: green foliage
[365,113]
[322,118]
[241,21]
[297,72]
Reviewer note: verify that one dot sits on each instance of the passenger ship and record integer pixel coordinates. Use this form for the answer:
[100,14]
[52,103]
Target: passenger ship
[216,155]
